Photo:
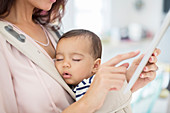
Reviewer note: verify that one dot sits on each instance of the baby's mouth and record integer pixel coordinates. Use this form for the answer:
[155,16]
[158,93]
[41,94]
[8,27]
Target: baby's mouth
[66,75]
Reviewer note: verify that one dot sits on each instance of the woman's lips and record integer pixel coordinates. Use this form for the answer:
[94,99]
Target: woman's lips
[66,75]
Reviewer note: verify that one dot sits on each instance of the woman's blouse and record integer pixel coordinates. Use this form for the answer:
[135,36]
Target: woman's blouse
[24,86]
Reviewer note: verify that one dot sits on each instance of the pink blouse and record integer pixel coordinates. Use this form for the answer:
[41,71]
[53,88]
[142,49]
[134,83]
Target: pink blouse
[25,87]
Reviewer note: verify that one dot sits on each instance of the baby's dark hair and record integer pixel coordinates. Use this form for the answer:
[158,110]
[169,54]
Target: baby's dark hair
[93,38]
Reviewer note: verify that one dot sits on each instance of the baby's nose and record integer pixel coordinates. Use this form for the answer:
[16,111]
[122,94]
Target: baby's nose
[66,64]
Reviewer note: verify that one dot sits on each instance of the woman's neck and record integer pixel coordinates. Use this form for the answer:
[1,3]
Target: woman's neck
[21,12]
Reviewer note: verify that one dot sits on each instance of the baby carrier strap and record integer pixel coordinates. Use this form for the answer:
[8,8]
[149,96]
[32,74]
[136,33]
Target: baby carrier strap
[26,47]
[117,102]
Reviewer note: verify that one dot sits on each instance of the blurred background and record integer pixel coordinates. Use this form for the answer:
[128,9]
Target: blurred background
[123,26]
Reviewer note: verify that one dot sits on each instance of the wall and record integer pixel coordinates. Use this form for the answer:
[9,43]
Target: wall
[68,19]
[165,48]
[119,13]
[124,12]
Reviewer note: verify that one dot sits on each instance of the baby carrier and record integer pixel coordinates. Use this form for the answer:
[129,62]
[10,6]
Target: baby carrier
[115,102]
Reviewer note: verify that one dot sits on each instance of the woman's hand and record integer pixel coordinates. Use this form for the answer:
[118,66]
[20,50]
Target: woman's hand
[149,71]
[108,77]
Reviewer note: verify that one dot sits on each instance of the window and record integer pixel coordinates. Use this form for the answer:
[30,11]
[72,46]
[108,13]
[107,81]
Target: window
[88,15]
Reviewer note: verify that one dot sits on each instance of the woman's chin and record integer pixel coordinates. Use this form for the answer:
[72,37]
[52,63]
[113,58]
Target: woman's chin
[47,7]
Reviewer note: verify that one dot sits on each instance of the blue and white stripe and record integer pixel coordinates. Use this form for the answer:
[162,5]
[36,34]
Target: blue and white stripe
[82,87]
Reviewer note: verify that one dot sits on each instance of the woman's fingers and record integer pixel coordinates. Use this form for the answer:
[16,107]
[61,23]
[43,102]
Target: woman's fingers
[117,77]
[151,67]
[113,70]
[156,52]
[114,84]
[150,75]
[153,59]
[133,67]
[120,69]
[113,73]
[117,85]
[111,78]
[117,59]
[125,65]
[138,60]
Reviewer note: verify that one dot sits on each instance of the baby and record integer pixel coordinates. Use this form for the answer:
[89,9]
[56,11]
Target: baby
[78,57]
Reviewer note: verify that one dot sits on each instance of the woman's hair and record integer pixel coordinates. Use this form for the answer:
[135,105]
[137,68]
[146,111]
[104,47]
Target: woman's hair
[56,11]
[93,38]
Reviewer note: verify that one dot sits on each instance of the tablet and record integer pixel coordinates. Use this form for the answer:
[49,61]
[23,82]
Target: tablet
[149,51]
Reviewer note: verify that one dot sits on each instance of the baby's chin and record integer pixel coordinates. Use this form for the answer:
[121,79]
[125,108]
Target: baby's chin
[71,83]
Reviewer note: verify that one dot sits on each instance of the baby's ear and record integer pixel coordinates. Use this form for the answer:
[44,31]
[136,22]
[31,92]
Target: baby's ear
[97,63]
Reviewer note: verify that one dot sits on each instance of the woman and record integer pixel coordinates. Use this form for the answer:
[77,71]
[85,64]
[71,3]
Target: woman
[27,88]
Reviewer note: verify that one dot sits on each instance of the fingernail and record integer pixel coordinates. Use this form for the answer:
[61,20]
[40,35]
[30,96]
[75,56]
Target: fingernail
[137,51]
[155,54]
[151,59]
[141,75]
[145,68]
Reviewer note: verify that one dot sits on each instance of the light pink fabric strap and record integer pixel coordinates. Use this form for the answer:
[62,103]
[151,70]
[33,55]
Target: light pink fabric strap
[117,102]
[33,53]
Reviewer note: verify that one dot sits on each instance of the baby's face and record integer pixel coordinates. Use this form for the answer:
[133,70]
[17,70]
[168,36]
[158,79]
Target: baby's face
[73,59]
